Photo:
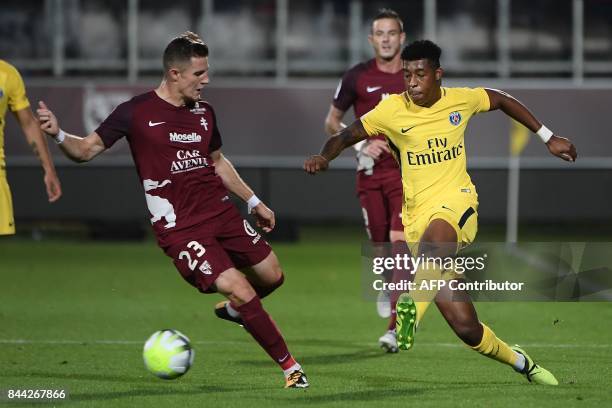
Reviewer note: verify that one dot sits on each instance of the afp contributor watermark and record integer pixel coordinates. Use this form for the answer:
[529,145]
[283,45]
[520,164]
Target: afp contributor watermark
[437,284]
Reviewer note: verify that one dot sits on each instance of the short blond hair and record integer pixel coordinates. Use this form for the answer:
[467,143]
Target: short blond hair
[191,36]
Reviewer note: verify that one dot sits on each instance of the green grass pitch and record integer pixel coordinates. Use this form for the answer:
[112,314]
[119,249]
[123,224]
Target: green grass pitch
[75,316]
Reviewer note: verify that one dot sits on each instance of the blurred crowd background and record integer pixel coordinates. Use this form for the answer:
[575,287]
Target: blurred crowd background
[275,65]
[295,38]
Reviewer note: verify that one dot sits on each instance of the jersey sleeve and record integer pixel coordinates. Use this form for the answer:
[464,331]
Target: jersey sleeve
[116,125]
[346,94]
[17,99]
[376,121]
[480,100]
[215,140]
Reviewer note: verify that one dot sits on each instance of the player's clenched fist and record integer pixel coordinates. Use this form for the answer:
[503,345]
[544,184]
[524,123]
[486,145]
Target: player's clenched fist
[315,164]
[264,216]
[562,147]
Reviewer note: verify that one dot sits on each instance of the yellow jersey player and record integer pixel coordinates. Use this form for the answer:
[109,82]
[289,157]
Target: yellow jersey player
[13,97]
[425,127]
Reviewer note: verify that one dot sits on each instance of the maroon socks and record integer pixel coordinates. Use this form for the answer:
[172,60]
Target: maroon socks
[261,326]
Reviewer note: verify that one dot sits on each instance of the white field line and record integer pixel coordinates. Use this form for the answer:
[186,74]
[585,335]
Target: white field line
[349,344]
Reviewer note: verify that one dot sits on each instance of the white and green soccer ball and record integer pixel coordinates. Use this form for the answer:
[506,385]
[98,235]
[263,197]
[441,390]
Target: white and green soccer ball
[168,354]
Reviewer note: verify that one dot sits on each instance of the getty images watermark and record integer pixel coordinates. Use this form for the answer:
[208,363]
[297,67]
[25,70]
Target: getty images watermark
[535,271]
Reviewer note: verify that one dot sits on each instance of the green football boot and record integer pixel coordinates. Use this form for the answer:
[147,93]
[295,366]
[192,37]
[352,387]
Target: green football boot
[405,325]
[534,372]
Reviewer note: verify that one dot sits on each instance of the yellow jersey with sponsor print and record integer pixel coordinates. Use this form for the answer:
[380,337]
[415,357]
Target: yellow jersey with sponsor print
[428,143]
[12,96]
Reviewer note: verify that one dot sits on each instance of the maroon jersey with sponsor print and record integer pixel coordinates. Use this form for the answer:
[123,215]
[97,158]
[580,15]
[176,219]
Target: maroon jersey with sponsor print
[171,148]
[362,87]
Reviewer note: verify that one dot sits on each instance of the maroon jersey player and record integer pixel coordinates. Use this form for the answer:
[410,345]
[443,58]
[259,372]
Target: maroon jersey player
[175,142]
[379,184]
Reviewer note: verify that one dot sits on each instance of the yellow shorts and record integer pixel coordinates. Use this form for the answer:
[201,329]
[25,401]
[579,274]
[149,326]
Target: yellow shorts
[460,212]
[7,223]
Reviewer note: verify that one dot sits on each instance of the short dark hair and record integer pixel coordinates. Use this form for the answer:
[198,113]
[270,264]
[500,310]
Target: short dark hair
[423,49]
[388,13]
[182,48]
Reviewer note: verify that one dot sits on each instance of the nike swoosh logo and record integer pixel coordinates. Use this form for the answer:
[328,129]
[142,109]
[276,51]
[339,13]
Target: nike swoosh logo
[446,208]
[373,88]
[404,130]
[151,124]
[282,360]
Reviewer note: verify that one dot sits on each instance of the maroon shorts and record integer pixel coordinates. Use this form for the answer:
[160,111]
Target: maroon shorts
[380,196]
[207,250]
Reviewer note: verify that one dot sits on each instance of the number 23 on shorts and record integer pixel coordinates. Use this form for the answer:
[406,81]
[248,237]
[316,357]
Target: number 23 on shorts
[196,262]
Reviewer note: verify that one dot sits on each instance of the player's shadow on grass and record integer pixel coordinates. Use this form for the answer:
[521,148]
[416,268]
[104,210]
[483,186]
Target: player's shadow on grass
[81,377]
[148,392]
[384,394]
[328,358]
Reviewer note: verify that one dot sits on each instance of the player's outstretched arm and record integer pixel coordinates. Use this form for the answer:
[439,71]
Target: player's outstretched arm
[334,146]
[31,129]
[234,183]
[78,149]
[557,146]
[372,148]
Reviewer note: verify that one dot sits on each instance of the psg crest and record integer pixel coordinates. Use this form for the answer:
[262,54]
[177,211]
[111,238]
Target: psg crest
[454,118]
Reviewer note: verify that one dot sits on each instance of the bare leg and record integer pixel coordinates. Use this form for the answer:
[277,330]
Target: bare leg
[460,316]
[265,273]
[235,287]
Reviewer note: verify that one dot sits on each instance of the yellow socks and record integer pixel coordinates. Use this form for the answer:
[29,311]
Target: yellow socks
[495,348]
[421,308]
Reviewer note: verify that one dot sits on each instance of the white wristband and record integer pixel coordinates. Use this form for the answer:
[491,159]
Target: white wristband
[252,203]
[59,138]
[544,133]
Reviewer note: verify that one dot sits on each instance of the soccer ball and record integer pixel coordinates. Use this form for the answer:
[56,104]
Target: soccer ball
[168,354]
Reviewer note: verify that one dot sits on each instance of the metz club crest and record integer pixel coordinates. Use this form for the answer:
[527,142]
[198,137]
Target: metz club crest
[197,109]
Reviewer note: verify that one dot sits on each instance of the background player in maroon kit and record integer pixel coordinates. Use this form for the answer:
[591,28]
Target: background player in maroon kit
[175,143]
[379,183]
